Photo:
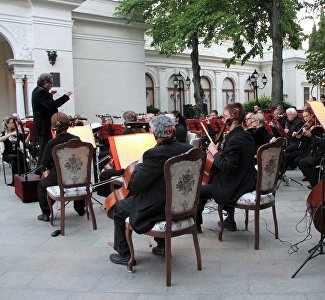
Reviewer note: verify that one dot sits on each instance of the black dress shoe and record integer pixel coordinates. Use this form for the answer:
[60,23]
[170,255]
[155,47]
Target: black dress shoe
[11,184]
[159,251]
[304,179]
[310,187]
[43,217]
[81,212]
[199,228]
[115,258]
[228,225]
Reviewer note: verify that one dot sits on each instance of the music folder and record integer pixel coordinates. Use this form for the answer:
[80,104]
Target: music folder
[85,133]
[129,148]
[319,111]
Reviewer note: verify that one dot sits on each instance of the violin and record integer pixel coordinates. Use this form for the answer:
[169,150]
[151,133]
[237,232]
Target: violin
[121,193]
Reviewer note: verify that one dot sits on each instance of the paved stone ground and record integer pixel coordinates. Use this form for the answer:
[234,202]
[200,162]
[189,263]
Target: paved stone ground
[34,265]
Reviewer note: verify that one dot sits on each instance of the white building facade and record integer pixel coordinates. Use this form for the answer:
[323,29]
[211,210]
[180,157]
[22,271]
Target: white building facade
[111,67]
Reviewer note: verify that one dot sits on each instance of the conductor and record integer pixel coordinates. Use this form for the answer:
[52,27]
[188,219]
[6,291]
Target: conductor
[44,107]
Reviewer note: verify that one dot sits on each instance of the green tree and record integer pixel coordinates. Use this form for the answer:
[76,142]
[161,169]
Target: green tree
[315,63]
[274,20]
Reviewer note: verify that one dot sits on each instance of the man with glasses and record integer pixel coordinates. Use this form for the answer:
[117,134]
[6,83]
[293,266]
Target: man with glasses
[44,107]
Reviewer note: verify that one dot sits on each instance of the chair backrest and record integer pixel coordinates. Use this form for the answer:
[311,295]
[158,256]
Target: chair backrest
[269,158]
[73,163]
[183,178]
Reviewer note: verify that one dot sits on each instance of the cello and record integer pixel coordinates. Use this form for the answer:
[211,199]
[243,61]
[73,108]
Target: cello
[122,192]
[210,159]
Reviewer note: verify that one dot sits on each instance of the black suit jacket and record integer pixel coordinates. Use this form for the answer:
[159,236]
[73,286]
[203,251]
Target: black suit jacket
[44,107]
[148,184]
[235,172]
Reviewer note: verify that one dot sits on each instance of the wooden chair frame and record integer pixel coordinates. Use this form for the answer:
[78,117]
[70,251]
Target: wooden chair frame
[192,155]
[278,143]
[89,206]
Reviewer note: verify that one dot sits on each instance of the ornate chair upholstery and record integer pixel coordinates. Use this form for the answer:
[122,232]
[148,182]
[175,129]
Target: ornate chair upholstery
[183,177]
[269,158]
[73,165]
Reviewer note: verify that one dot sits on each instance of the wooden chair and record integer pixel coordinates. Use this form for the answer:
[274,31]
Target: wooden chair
[269,158]
[73,165]
[183,177]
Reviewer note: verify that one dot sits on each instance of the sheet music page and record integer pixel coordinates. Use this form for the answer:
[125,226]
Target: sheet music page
[146,142]
[85,133]
[131,147]
[319,111]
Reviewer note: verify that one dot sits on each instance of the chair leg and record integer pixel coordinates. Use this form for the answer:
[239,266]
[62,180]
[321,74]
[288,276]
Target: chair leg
[62,217]
[87,210]
[128,235]
[246,219]
[92,213]
[276,230]
[220,211]
[4,171]
[51,209]
[168,256]
[197,250]
[257,229]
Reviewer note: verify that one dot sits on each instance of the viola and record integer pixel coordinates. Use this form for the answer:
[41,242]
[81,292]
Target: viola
[121,193]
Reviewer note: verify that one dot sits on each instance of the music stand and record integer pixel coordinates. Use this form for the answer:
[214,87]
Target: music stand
[319,111]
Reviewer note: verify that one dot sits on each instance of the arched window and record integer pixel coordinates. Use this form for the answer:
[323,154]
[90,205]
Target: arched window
[176,95]
[249,92]
[228,91]
[150,91]
[206,86]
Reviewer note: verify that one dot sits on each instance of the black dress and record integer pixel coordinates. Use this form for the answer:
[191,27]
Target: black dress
[10,154]
[181,133]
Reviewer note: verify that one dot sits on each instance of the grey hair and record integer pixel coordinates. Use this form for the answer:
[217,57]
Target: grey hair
[45,77]
[160,125]
[291,110]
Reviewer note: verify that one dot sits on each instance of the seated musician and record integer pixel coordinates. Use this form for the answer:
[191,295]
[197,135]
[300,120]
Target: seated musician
[147,206]
[214,114]
[10,141]
[279,116]
[260,134]
[322,99]
[249,122]
[60,123]
[109,170]
[235,172]
[181,127]
[293,124]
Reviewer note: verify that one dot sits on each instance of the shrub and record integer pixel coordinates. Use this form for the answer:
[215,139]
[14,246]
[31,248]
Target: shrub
[263,103]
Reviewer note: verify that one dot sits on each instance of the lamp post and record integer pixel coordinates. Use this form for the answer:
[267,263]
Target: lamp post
[177,86]
[253,82]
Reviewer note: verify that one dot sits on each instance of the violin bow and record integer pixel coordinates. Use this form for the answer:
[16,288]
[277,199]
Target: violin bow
[206,132]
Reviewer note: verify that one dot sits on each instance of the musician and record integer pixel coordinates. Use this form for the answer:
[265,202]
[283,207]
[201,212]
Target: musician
[44,107]
[60,123]
[322,99]
[292,158]
[279,116]
[147,206]
[181,128]
[260,134]
[214,114]
[293,124]
[235,172]
[130,116]
[10,139]
[250,122]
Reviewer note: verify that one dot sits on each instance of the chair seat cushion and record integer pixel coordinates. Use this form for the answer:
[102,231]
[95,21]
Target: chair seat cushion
[250,198]
[176,225]
[70,192]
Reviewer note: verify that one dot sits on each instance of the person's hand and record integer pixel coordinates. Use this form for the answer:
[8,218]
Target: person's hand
[286,130]
[213,148]
[140,161]
[53,92]
[13,133]
[293,134]
[68,93]
[307,133]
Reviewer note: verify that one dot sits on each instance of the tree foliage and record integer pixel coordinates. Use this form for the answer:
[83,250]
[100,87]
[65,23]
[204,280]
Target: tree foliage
[315,63]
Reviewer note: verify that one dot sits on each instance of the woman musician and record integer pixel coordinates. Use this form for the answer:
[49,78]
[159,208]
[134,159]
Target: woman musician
[10,139]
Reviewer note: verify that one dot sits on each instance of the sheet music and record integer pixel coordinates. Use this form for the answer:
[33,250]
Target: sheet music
[85,133]
[319,111]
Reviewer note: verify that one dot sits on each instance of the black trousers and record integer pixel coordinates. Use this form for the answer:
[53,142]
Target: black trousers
[291,158]
[121,212]
[205,195]
[307,166]
[13,161]
[43,140]
[79,206]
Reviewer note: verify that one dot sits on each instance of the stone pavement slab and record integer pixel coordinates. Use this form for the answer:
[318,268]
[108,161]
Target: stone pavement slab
[34,265]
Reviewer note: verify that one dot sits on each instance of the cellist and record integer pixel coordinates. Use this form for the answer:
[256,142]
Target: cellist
[234,167]
[147,205]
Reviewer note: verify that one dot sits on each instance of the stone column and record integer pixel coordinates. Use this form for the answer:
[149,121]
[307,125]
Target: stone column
[20,105]
[30,87]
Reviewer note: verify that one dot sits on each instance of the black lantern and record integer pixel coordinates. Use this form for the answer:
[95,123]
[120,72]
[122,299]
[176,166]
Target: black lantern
[177,86]
[253,82]
[52,55]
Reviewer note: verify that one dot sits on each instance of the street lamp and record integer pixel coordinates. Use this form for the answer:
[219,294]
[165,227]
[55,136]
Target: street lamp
[177,86]
[253,82]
